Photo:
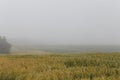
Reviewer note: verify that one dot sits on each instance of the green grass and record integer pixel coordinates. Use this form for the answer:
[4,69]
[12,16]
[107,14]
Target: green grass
[96,66]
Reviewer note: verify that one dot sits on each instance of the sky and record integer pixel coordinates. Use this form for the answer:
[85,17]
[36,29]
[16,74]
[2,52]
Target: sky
[79,22]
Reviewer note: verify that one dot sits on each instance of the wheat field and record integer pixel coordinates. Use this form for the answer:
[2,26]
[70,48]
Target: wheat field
[89,66]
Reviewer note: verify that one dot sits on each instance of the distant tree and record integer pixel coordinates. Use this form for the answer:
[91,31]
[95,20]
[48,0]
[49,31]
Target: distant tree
[4,45]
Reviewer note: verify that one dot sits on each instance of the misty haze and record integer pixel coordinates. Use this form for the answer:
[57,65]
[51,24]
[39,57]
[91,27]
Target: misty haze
[65,22]
[59,40]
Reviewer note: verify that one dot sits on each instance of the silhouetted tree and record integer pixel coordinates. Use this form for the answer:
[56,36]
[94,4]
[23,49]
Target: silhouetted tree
[4,45]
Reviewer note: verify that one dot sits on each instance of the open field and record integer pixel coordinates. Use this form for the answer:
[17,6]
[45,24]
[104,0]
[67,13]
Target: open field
[96,66]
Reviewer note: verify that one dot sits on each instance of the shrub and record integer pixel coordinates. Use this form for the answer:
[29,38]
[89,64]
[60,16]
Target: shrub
[4,45]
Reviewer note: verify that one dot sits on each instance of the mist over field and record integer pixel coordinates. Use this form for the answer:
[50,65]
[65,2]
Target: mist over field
[65,25]
[64,22]
[59,39]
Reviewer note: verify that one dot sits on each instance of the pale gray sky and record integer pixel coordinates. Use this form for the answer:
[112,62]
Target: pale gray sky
[61,21]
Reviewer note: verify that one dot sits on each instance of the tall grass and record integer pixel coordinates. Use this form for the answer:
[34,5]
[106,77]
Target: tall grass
[97,66]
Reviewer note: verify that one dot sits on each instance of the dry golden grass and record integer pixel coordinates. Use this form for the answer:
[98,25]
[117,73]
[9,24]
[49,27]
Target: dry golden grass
[97,66]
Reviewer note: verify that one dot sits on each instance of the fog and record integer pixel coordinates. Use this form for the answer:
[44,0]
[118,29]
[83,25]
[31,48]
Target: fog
[73,22]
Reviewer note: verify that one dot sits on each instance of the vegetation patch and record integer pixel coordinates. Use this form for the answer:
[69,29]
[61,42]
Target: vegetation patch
[60,67]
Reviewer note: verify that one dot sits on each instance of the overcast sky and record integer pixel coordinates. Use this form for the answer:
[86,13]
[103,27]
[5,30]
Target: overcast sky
[61,21]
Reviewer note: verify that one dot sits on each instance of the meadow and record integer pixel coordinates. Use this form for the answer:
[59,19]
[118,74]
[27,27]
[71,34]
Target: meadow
[77,66]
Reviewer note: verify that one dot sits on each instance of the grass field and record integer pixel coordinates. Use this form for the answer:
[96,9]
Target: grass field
[96,66]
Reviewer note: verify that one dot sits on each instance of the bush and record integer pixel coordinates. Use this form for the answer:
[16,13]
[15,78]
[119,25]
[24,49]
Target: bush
[4,45]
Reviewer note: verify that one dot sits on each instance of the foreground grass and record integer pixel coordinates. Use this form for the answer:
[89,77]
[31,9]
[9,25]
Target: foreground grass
[97,66]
